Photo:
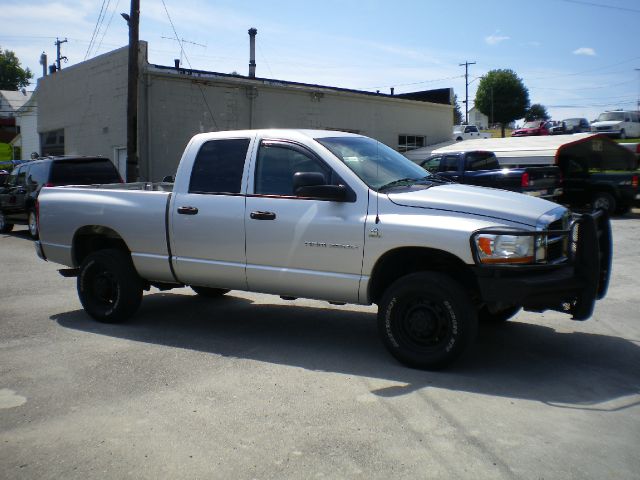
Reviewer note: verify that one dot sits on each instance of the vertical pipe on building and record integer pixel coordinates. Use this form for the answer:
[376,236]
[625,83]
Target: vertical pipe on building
[252,52]
[43,62]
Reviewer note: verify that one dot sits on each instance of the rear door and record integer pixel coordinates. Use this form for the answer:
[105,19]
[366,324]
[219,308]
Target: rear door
[13,202]
[207,222]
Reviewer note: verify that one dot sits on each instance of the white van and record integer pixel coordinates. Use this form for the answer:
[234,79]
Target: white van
[619,123]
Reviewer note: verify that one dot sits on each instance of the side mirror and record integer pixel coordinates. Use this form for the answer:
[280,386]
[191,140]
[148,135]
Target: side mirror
[169,179]
[314,185]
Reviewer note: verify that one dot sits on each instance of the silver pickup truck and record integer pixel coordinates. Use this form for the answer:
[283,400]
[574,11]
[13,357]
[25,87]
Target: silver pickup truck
[331,216]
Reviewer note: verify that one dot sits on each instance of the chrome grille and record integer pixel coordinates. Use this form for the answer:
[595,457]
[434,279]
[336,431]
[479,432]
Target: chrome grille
[557,239]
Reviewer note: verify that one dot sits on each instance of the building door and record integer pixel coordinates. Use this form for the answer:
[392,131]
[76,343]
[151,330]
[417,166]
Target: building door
[120,161]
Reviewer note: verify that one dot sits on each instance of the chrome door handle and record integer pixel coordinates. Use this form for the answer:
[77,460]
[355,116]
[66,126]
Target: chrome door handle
[187,210]
[263,215]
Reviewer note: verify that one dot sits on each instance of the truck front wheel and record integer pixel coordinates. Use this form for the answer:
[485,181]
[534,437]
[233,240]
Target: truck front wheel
[426,320]
[109,287]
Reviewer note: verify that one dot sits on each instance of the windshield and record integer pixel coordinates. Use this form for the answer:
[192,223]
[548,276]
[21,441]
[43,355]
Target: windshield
[531,125]
[458,128]
[608,116]
[377,165]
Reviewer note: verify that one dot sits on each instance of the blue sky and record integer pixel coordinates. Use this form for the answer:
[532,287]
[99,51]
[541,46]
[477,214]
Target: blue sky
[576,57]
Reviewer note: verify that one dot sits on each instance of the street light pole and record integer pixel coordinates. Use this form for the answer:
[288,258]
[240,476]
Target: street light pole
[133,172]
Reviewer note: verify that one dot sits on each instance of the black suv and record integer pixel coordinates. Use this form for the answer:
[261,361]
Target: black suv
[20,190]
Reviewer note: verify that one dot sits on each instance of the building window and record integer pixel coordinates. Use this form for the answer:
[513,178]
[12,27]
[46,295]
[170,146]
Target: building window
[52,142]
[411,142]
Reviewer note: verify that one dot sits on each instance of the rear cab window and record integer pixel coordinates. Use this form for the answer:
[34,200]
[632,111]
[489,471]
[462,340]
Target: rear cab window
[481,161]
[83,171]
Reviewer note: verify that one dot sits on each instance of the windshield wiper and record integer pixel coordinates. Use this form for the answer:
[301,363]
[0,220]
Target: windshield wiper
[405,182]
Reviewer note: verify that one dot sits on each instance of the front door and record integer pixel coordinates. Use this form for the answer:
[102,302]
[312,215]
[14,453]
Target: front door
[301,247]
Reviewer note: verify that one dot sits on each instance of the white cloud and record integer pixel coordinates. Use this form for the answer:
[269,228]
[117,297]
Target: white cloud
[585,51]
[495,39]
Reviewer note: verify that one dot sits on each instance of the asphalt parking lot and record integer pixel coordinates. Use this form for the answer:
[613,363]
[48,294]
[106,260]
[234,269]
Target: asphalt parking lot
[254,387]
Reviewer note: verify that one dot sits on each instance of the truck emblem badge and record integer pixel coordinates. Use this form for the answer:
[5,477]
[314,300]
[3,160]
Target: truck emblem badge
[375,232]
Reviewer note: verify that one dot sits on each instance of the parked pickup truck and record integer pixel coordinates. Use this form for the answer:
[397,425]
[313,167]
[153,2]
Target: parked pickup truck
[331,216]
[483,169]
[466,132]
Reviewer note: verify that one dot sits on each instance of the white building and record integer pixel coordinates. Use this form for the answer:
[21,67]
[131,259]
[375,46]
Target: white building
[82,110]
[27,139]
[479,119]
[10,102]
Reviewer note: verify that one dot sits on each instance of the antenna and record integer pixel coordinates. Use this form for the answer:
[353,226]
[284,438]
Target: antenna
[377,179]
[181,41]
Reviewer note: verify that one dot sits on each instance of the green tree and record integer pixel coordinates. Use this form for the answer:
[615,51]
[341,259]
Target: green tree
[457,113]
[12,75]
[502,97]
[537,112]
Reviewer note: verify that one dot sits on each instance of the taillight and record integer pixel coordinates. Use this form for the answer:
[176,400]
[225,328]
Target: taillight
[38,213]
[634,181]
[525,179]
[49,184]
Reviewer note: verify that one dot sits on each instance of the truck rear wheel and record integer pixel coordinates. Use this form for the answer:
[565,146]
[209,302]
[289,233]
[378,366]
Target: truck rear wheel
[5,227]
[426,320]
[33,224]
[604,201]
[109,287]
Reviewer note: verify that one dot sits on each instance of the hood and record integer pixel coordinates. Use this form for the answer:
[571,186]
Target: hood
[481,201]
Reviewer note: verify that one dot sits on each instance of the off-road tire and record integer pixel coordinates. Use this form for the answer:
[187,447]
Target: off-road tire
[209,292]
[426,320]
[109,287]
[32,222]
[604,201]
[5,227]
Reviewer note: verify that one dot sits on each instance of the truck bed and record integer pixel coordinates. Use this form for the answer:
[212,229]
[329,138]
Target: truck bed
[137,211]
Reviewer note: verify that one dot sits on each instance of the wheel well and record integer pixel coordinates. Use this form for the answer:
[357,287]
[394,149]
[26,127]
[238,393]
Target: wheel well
[404,261]
[604,189]
[92,238]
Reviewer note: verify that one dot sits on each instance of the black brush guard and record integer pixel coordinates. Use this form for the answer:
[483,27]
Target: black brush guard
[571,286]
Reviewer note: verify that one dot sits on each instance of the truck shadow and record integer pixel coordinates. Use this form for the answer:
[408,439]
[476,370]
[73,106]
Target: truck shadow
[514,360]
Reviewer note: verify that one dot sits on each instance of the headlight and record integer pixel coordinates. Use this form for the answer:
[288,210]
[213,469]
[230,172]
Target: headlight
[494,248]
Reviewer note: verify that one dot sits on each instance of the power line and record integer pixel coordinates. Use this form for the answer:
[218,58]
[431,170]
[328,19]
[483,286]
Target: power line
[115,9]
[95,29]
[204,98]
[412,83]
[610,7]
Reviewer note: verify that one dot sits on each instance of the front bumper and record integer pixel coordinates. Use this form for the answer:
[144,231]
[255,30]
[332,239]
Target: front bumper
[573,287]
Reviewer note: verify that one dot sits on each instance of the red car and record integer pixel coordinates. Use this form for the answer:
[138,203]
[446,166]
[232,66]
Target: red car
[536,127]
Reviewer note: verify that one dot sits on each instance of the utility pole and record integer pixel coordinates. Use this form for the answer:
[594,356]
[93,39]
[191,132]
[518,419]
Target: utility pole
[466,89]
[133,171]
[638,104]
[57,43]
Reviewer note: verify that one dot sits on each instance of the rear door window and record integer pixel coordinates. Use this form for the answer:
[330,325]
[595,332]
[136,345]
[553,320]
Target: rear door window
[84,172]
[218,167]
